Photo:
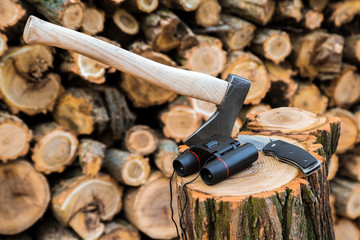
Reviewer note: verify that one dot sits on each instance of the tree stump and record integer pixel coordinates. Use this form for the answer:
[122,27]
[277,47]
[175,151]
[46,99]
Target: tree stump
[270,199]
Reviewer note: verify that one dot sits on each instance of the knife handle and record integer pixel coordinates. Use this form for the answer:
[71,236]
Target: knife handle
[292,154]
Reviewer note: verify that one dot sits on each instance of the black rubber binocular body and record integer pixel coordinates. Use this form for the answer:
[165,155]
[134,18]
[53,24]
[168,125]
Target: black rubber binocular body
[222,157]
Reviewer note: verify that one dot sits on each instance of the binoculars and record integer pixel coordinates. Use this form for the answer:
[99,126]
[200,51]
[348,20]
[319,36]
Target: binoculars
[217,158]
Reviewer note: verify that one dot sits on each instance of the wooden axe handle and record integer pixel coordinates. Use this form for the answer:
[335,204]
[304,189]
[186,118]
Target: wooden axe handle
[192,84]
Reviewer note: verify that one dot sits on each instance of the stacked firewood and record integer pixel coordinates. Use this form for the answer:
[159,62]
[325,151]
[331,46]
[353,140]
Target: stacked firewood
[86,151]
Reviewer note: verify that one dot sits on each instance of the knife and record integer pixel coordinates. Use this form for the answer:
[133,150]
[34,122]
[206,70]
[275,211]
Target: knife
[284,152]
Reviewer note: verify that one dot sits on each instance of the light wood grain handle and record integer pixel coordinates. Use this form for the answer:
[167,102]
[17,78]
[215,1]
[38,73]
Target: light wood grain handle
[192,84]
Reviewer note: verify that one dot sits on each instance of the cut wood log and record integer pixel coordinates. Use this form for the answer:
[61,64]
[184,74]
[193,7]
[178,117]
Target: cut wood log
[91,154]
[52,229]
[350,163]
[25,195]
[204,109]
[146,6]
[333,167]
[15,137]
[333,211]
[309,97]
[345,229]
[206,57]
[289,10]
[83,203]
[349,129]
[347,198]
[249,66]
[344,12]
[14,12]
[147,207]
[129,169]
[93,21]
[69,13]
[166,152]
[141,139]
[259,12]
[185,5]
[24,83]
[3,43]
[81,110]
[253,110]
[120,229]
[126,22]
[165,31]
[144,94]
[180,121]
[109,6]
[272,44]
[208,13]
[318,5]
[312,19]
[55,148]
[352,48]
[277,208]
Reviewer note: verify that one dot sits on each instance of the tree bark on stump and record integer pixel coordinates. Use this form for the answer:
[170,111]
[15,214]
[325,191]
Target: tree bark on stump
[287,205]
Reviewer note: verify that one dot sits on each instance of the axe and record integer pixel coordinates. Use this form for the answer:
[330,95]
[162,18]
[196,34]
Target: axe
[214,135]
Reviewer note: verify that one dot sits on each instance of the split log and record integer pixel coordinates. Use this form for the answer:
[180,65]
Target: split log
[147,207]
[345,229]
[185,5]
[120,229]
[24,83]
[14,12]
[347,197]
[165,31]
[352,48]
[333,167]
[206,57]
[180,121]
[309,97]
[52,229]
[129,169]
[55,148]
[3,43]
[349,129]
[272,44]
[344,90]
[318,5]
[69,13]
[167,151]
[141,139]
[269,195]
[313,19]
[208,13]
[15,137]
[344,12]
[143,94]
[249,66]
[289,10]
[81,110]
[91,154]
[83,203]
[25,195]
[93,21]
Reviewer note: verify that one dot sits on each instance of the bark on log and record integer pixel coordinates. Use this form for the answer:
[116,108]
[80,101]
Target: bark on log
[81,110]
[52,230]
[185,5]
[344,12]
[345,229]
[15,137]
[289,10]
[143,94]
[249,66]
[208,13]
[259,12]
[3,43]
[352,48]
[14,12]
[333,167]
[91,154]
[147,207]
[260,208]
[83,203]
[129,169]
[120,229]
[167,151]
[165,31]
[309,97]
[55,148]
[272,44]
[141,139]
[349,129]
[69,13]
[25,195]
[93,21]
[347,198]
[25,84]
[206,57]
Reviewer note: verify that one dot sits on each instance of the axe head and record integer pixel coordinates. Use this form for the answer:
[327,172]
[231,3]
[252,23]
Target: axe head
[222,121]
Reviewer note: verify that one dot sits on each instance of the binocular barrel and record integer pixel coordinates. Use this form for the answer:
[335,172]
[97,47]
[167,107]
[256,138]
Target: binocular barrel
[230,163]
[189,162]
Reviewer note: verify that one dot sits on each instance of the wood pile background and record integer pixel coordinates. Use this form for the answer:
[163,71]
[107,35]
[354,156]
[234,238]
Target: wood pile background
[86,151]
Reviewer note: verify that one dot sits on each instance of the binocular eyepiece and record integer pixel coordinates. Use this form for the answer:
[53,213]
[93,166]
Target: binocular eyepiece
[222,157]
